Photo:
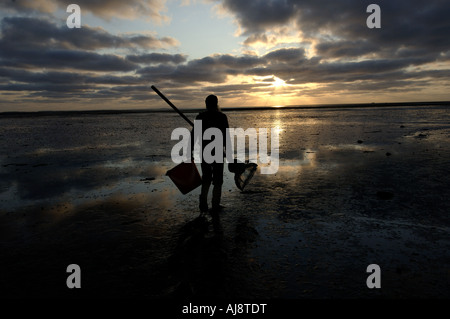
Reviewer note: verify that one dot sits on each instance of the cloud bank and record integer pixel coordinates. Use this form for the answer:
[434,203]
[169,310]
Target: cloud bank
[330,53]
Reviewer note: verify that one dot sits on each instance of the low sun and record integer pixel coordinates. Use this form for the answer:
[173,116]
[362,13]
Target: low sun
[277,82]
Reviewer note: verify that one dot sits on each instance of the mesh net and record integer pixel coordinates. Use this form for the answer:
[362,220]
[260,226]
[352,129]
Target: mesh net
[243,173]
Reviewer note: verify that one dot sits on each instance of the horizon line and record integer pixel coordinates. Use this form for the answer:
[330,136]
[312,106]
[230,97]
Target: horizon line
[233,108]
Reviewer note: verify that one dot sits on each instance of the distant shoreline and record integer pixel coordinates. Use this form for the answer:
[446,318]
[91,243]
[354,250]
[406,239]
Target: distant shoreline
[225,109]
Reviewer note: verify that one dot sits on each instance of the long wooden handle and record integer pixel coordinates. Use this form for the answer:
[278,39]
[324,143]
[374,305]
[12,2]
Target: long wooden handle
[171,105]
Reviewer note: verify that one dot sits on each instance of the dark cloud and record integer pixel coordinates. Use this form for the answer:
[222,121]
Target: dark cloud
[34,32]
[44,87]
[345,48]
[292,56]
[151,9]
[42,59]
[19,75]
[214,69]
[406,24]
[37,43]
[258,15]
[256,38]
[61,77]
[157,58]
[64,59]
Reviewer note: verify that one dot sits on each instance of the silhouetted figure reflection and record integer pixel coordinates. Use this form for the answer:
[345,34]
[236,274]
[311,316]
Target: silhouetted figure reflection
[199,260]
[217,226]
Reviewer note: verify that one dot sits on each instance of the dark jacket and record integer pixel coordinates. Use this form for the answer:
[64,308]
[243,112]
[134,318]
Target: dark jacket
[211,119]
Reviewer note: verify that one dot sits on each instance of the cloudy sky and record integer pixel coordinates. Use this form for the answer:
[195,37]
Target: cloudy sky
[249,53]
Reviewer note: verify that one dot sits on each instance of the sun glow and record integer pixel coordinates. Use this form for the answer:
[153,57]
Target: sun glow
[277,82]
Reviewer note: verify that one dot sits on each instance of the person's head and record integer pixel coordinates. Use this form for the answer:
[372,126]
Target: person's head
[212,103]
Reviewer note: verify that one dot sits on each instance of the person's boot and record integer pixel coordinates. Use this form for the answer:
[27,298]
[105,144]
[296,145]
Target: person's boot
[203,204]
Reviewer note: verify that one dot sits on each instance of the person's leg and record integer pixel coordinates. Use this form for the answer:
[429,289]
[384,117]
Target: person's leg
[206,182]
[217,172]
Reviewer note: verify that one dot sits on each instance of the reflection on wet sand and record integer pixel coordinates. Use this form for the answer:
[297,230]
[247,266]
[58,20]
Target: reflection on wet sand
[210,260]
[197,265]
[28,186]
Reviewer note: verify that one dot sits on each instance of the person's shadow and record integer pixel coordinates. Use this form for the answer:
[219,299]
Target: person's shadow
[198,264]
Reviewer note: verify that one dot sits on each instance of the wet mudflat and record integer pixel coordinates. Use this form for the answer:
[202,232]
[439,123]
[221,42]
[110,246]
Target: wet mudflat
[354,187]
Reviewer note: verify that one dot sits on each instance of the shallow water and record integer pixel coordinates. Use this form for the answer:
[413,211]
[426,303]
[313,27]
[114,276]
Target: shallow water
[310,230]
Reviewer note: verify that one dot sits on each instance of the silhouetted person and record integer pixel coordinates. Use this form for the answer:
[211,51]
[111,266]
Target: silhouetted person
[211,172]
